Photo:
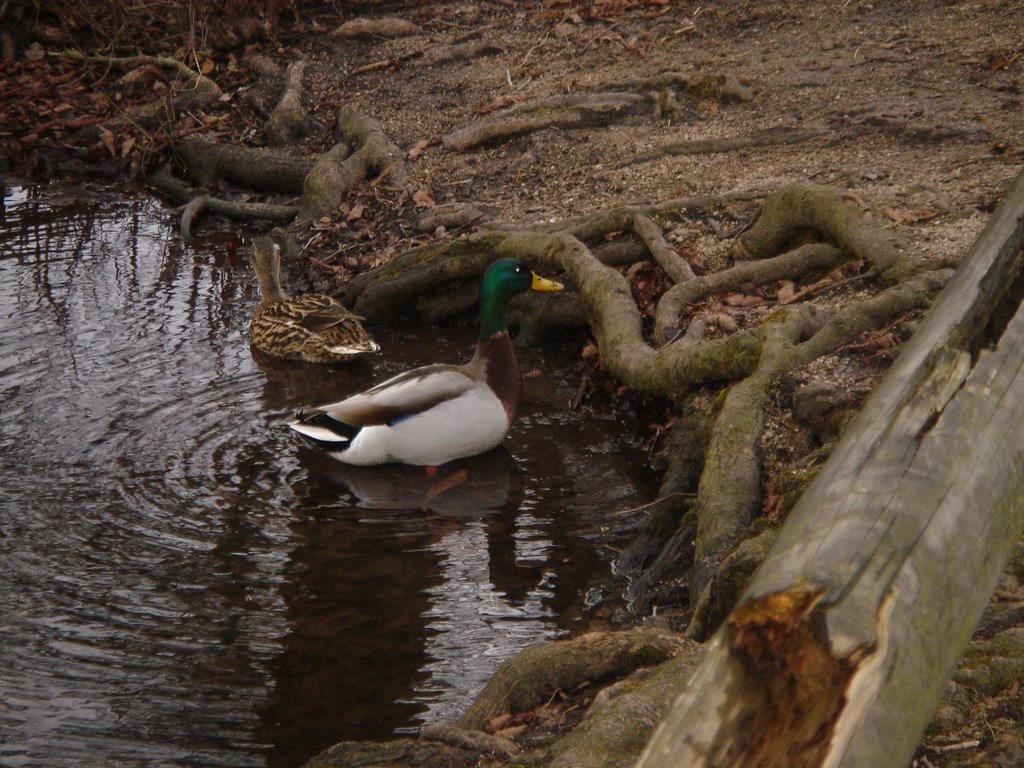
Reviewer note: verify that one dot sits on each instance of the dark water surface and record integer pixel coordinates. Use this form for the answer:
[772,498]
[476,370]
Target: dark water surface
[182,582]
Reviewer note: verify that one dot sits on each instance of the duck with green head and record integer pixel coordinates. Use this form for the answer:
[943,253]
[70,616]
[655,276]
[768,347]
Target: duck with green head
[438,413]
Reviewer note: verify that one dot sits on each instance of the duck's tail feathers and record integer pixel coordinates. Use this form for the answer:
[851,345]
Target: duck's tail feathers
[354,347]
[321,429]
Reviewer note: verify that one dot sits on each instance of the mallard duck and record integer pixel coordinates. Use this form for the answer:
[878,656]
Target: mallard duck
[311,327]
[438,413]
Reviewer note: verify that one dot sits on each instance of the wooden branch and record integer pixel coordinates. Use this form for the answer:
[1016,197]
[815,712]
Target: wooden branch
[129,62]
[841,646]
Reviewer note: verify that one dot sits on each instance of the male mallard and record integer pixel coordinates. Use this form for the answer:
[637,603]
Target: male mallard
[310,327]
[437,413]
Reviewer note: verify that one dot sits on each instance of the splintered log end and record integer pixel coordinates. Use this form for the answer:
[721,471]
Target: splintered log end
[800,686]
[783,697]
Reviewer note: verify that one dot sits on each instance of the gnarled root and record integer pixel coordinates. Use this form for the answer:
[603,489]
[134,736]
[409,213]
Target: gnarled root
[289,121]
[340,169]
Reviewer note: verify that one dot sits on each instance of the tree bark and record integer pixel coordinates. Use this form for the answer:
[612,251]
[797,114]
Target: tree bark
[839,650]
[289,121]
[266,170]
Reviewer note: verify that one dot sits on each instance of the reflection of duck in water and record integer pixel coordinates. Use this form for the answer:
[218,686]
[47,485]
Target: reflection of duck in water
[468,487]
[477,497]
[311,327]
[435,414]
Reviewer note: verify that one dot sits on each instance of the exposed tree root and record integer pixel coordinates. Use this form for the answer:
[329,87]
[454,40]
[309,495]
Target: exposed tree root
[575,111]
[621,718]
[654,663]
[397,752]
[730,486]
[385,26]
[533,675]
[266,170]
[674,265]
[767,138]
[796,208]
[792,264]
[729,490]
[604,105]
[196,202]
[913,131]
[338,170]
[289,122]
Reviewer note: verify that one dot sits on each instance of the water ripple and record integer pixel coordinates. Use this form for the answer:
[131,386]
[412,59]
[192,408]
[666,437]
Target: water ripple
[186,585]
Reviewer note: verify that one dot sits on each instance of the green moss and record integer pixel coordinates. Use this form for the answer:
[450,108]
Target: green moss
[709,87]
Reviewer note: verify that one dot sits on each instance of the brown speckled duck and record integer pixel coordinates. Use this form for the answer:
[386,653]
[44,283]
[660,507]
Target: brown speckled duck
[311,327]
[438,413]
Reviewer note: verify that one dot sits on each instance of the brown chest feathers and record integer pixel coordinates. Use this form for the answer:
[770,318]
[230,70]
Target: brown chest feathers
[501,371]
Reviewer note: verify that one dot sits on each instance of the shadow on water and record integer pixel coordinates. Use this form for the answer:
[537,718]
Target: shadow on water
[187,583]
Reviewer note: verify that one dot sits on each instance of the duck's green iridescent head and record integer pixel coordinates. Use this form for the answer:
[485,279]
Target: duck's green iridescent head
[504,279]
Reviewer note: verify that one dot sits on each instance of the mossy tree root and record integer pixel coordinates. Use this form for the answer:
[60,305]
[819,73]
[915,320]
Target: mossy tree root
[535,674]
[802,260]
[289,122]
[797,209]
[729,493]
[266,170]
[365,150]
[195,202]
[729,489]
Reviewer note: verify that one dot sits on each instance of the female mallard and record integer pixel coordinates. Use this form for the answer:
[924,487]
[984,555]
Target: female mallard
[437,413]
[310,327]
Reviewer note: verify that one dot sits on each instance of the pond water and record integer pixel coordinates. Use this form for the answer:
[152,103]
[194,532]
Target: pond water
[184,582]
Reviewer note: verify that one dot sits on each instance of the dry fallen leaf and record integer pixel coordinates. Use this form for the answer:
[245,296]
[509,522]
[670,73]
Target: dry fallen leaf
[907,216]
[497,723]
[107,138]
[356,212]
[786,292]
[417,149]
[741,300]
[423,199]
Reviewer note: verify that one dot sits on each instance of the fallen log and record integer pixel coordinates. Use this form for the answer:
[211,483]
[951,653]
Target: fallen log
[839,650]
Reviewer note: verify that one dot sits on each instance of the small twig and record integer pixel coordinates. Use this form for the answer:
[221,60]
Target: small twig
[128,61]
[648,505]
[960,746]
[383,64]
